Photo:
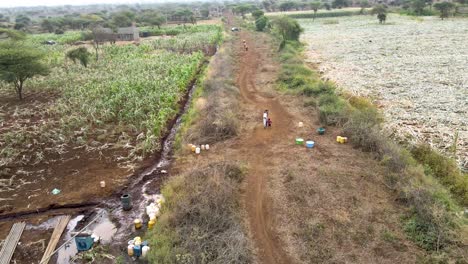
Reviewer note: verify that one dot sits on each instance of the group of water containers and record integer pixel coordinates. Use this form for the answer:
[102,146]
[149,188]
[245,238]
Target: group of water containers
[197,149]
[136,247]
[320,131]
[309,143]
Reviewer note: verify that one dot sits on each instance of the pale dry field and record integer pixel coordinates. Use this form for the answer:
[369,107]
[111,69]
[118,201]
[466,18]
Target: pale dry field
[415,68]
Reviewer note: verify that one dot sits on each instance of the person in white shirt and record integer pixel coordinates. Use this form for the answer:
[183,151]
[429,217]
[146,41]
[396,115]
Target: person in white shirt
[265,118]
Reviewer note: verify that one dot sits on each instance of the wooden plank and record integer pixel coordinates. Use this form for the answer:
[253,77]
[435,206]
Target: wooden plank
[11,242]
[54,239]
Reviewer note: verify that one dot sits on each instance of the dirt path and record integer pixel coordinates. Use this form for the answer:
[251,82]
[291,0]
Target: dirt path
[259,145]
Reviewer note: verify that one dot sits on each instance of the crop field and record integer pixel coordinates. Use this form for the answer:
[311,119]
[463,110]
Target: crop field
[115,111]
[415,69]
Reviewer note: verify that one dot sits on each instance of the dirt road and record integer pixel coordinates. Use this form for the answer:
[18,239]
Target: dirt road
[259,143]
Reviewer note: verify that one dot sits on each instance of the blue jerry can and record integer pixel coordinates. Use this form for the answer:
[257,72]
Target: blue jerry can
[84,243]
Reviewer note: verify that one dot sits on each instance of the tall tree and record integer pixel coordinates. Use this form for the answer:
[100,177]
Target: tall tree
[381,11]
[287,28]
[286,6]
[339,3]
[257,14]
[444,8]
[18,63]
[418,6]
[315,6]
[261,23]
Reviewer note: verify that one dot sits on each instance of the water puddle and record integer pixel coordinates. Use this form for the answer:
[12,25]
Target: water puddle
[102,227]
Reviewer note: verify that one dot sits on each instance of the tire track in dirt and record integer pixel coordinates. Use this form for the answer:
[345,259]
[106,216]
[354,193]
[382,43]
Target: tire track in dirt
[257,147]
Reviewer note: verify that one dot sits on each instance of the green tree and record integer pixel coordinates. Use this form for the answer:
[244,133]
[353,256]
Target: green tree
[152,18]
[339,3]
[23,19]
[47,25]
[261,23]
[287,28]
[12,34]
[286,6]
[81,54]
[444,8]
[242,9]
[19,63]
[381,11]
[315,6]
[363,4]
[418,6]
[257,14]
[267,5]
[123,19]
[205,12]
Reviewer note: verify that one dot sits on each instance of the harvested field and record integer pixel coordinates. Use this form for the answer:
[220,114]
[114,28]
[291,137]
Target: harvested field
[415,69]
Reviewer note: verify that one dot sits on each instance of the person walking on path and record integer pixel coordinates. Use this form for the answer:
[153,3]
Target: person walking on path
[265,119]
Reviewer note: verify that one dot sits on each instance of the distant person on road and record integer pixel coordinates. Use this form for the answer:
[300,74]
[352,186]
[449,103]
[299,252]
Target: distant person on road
[265,118]
[269,122]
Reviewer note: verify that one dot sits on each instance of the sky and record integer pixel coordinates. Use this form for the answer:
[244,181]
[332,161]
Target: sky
[15,3]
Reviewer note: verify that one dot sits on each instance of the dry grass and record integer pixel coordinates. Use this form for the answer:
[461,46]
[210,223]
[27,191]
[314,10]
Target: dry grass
[201,220]
[218,119]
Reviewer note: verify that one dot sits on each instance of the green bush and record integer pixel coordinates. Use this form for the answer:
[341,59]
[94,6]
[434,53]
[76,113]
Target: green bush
[330,109]
[429,225]
[445,169]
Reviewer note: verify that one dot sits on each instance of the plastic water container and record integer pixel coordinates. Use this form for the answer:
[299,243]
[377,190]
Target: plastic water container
[137,250]
[197,150]
[103,184]
[137,223]
[310,144]
[338,139]
[207,147]
[144,251]
[126,200]
[137,241]
[300,124]
[130,250]
[321,130]
[151,223]
[193,148]
[84,243]
[299,141]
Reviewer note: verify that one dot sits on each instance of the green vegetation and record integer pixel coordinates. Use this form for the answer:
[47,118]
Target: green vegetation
[287,28]
[200,221]
[445,170]
[261,23]
[124,99]
[81,54]
[176,30]
[444,8]
[191,40]
[20,62]
[431,220]
[337,13]
[381,12]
